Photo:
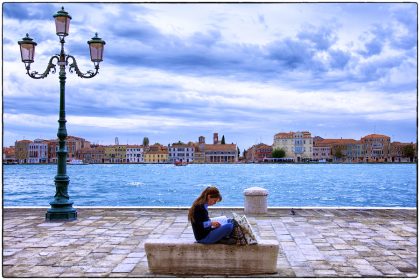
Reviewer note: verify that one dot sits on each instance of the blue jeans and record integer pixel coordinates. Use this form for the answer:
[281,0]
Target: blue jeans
[217,234]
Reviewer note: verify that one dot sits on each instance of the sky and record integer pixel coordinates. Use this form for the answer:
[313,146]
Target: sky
[174,72]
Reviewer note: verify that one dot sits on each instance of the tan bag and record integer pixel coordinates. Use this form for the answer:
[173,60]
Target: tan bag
[246,228]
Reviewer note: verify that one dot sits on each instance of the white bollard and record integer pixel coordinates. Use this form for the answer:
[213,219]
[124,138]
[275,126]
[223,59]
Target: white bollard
[255,200]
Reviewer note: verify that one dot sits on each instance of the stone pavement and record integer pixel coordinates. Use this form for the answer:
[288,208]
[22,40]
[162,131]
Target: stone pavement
[108,242]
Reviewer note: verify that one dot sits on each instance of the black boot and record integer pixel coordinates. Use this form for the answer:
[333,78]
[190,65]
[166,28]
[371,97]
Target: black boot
[227,241]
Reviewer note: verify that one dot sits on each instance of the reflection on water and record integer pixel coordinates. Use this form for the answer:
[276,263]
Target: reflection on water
[384,185]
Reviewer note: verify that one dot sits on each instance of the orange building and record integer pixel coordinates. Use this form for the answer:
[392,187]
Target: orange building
[338,150]
[377,147]
[9,155]
[93,154]
[259,153]
[73,145]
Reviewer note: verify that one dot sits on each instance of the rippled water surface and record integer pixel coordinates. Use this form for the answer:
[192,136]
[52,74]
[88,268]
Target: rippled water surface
[385,185]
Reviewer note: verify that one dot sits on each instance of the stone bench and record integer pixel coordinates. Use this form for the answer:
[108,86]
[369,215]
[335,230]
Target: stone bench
[189,257]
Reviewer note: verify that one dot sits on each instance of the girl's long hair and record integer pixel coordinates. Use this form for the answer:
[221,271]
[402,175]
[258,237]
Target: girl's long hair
[202,199]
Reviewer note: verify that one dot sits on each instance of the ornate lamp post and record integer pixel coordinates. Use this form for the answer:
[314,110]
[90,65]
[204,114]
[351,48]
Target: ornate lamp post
[61,206]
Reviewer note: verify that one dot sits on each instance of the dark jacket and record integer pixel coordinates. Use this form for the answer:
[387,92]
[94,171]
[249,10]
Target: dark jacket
[200,215]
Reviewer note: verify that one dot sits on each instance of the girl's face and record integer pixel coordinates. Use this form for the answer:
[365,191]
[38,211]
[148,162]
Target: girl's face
[212,201]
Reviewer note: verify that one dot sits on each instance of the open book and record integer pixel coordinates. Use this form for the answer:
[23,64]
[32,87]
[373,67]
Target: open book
[222,220]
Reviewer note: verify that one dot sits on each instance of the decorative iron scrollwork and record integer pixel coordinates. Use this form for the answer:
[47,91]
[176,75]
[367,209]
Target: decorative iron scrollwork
[50,68]
[74,68]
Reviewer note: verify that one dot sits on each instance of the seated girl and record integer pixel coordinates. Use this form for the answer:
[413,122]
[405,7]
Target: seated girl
[205,230]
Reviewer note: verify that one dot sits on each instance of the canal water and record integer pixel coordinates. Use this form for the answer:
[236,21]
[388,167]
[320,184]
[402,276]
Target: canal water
[294,185]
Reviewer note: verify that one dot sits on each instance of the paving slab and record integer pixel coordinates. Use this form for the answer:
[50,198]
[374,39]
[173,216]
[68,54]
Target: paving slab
[109,242]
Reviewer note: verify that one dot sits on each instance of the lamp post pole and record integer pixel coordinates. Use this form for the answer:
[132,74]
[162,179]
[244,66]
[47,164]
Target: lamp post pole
[61,207]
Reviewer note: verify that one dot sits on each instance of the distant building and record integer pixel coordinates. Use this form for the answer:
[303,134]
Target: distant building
[38,151]
[93,154]
[216,152]
[115,154]
[180,152]
[285,141]
[376,147]
[297,145]
[339,150]
[199,154]
[73,145]
[9,155]
[221,153]
[259,153]
[355,152]
[321,150]
[135,154]
[156,154]
[397,152]
[216,138]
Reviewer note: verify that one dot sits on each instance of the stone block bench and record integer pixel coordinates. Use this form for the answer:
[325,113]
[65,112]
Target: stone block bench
[189,257]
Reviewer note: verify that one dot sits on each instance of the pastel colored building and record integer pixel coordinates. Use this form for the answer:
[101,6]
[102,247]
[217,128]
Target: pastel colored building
[297,145]
[179,152]
[321,151]
[156,154]
[135,154]
[285,141]
[38,151]
[115,154]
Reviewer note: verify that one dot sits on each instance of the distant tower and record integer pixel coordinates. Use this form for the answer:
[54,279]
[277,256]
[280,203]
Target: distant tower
[215,138]
[116,141]
[201,140]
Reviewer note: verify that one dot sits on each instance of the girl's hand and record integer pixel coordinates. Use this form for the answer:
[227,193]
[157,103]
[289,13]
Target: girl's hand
[215,224]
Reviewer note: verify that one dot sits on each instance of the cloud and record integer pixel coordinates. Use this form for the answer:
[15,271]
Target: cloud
[25,11]
[322,38]
[338,59]
[210,67]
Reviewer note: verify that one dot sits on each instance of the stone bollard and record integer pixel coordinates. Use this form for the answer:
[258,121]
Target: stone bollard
[255,200]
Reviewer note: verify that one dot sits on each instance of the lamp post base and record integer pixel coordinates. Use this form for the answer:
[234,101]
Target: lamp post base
[60,213]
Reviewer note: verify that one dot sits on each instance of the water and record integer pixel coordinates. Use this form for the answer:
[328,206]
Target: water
[356,185]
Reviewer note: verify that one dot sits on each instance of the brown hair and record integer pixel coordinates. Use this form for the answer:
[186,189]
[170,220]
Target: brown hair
[212,191]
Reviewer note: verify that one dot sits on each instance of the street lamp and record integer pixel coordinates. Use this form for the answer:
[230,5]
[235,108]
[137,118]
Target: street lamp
[61,206]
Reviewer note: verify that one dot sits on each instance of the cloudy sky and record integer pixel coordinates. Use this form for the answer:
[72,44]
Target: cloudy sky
[247,71]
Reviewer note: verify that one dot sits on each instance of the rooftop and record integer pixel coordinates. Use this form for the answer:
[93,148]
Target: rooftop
[109,242]
[220,147]
[376,136]
[335,142]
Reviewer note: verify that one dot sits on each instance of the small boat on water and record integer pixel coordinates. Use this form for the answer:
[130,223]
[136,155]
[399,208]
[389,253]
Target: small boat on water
[76,162]
[180,163]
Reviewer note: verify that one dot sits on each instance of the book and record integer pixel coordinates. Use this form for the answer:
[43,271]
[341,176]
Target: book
[221,219]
